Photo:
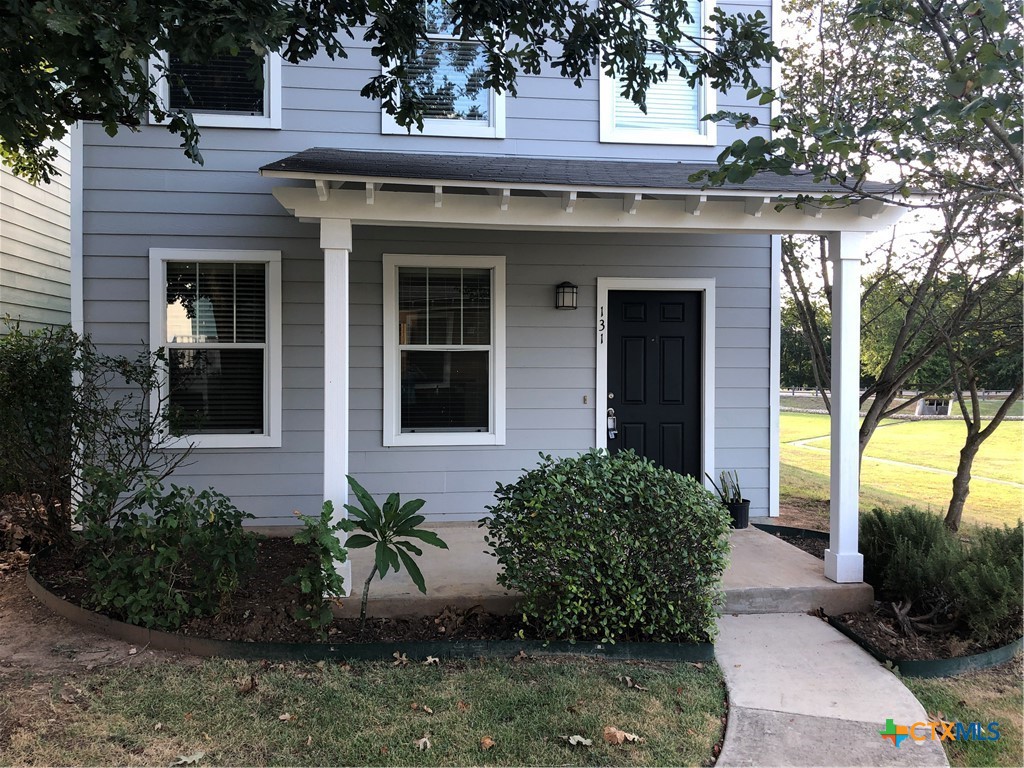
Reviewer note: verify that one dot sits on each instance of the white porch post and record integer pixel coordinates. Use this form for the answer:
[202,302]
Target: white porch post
[336,241]
[843,562]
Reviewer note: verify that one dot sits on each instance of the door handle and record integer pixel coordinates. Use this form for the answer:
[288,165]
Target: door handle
[612,424]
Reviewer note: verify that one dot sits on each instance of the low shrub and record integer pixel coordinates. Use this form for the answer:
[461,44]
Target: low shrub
[318,579]
[934,580]
[608,548]
[170,556]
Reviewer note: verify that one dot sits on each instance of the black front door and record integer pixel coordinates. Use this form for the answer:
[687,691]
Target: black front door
[654,376]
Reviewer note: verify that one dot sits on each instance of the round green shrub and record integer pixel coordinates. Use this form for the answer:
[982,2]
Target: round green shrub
[607,548]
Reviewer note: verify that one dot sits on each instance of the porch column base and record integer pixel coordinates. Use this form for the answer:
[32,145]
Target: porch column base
[844,567]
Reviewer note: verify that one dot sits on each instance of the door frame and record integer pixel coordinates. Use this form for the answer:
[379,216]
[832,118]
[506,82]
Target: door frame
[702,285]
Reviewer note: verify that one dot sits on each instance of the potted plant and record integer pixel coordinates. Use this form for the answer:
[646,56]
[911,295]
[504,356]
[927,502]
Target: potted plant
[732,497]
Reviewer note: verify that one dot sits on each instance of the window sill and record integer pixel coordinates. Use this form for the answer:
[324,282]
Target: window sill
[451,128]
[200,442]
[210,120]
[659,138]
[443,439]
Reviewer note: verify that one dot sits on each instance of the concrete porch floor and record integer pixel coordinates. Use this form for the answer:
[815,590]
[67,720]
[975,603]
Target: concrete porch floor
[765,575]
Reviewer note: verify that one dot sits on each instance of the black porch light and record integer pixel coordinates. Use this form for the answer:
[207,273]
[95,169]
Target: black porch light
[565,295]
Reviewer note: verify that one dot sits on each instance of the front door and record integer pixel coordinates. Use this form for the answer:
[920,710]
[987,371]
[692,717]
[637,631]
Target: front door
[654,376]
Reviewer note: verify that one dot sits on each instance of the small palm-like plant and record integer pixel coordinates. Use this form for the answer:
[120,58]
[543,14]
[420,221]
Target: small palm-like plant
[387,529]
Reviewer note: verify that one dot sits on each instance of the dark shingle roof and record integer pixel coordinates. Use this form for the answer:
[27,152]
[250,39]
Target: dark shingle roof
[539,171]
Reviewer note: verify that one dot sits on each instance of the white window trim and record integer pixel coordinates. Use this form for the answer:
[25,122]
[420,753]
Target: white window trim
[466,129]
[705,136]
[393,436]
[158,258]
[703,285]
[270,119]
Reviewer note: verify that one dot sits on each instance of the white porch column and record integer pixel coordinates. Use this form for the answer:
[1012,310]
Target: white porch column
[336,240]
[843,562]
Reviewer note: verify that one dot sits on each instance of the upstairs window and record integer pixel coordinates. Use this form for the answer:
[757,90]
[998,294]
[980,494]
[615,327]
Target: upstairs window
[229,91]
[674,109]
[445,357]
[217,316]
[448,74]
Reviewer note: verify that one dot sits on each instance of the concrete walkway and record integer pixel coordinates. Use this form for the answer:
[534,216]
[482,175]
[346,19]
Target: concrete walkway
[802,694]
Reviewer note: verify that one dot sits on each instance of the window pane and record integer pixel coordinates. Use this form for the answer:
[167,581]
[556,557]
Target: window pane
[250,303]
[182,288]
[215,305]
[216,391]
[445,391]
[438,17]
[449,77]
[444,300]
[476,306]
[412,305]
[224,85]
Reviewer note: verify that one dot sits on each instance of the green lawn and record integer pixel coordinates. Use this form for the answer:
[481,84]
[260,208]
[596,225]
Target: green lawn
[369,714]
[925,443]
[988,407]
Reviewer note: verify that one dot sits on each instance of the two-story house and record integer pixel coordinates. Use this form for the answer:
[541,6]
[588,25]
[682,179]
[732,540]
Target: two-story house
[429,310]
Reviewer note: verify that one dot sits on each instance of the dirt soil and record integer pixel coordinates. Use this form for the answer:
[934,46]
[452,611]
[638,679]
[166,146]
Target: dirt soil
[881,631]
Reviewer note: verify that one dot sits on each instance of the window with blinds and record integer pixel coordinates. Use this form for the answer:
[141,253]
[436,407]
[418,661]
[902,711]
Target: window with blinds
[225,85]
[216,343]
[445,346]
[674,109]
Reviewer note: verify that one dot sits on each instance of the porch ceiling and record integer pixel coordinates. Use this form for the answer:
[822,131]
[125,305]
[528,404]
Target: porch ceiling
[471,191]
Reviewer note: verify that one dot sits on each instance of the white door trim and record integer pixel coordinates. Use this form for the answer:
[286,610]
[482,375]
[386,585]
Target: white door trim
[704,285]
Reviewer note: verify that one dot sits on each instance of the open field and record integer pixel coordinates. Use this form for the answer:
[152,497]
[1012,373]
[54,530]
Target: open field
[918,447]
[814,402]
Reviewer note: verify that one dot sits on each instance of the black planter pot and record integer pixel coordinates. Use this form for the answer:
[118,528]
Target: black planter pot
[740,511]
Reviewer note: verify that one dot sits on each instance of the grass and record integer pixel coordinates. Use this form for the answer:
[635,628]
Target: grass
[371,714]
[991,695]
[805,473]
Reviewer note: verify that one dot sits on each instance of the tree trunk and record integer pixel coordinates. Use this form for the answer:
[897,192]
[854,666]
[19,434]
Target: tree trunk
[962,480]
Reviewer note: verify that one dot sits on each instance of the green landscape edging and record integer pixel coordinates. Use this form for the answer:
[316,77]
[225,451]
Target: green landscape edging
[199,646]
[935,667]
[807,533]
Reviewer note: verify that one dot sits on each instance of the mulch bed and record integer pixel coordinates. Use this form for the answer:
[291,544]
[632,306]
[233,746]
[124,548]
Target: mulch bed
[879,629]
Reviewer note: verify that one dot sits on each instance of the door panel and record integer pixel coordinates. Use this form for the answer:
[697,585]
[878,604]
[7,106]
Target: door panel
[654,376]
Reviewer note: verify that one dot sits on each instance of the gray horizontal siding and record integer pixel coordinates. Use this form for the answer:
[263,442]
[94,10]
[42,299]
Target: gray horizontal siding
[35,250]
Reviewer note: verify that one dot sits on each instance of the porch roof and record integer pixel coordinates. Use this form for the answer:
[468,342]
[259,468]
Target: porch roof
[533,173]
[502,192]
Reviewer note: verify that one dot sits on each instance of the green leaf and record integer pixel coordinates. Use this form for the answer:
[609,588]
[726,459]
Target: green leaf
[428,537]
[409,546]
[359,541]
[414,571]
[369,505]
[381,558]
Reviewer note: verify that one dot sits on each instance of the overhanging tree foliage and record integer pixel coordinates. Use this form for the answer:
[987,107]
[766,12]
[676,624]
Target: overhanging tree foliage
[67,60]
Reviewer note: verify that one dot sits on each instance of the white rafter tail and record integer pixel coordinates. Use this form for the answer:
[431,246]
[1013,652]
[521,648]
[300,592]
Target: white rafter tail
[813,209]
[503,194]
[438,191]
[371,192]
[631,202]
[756,206]
[323,189]
[871,209]
[695,204]
[569,201]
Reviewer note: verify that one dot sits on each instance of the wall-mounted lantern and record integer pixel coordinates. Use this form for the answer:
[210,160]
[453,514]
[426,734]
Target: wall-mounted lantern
[565,295]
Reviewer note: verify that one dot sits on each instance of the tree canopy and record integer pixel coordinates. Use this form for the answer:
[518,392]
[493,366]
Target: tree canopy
[67,60]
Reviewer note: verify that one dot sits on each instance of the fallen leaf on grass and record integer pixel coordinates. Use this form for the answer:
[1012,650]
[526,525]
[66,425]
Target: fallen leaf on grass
[384,750]
[428,710]
[247,685]
[309,740]
[631,683]
[286,717]
[431,660]
[158,727]
[132,651]
[189,759]
[462,706]
[487,743]
[696,664]
[414,706]
[615,736]
[401,660]
[424,743]
[577,741]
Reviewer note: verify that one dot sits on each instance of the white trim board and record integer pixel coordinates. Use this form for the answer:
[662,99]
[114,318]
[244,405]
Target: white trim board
[705,286]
